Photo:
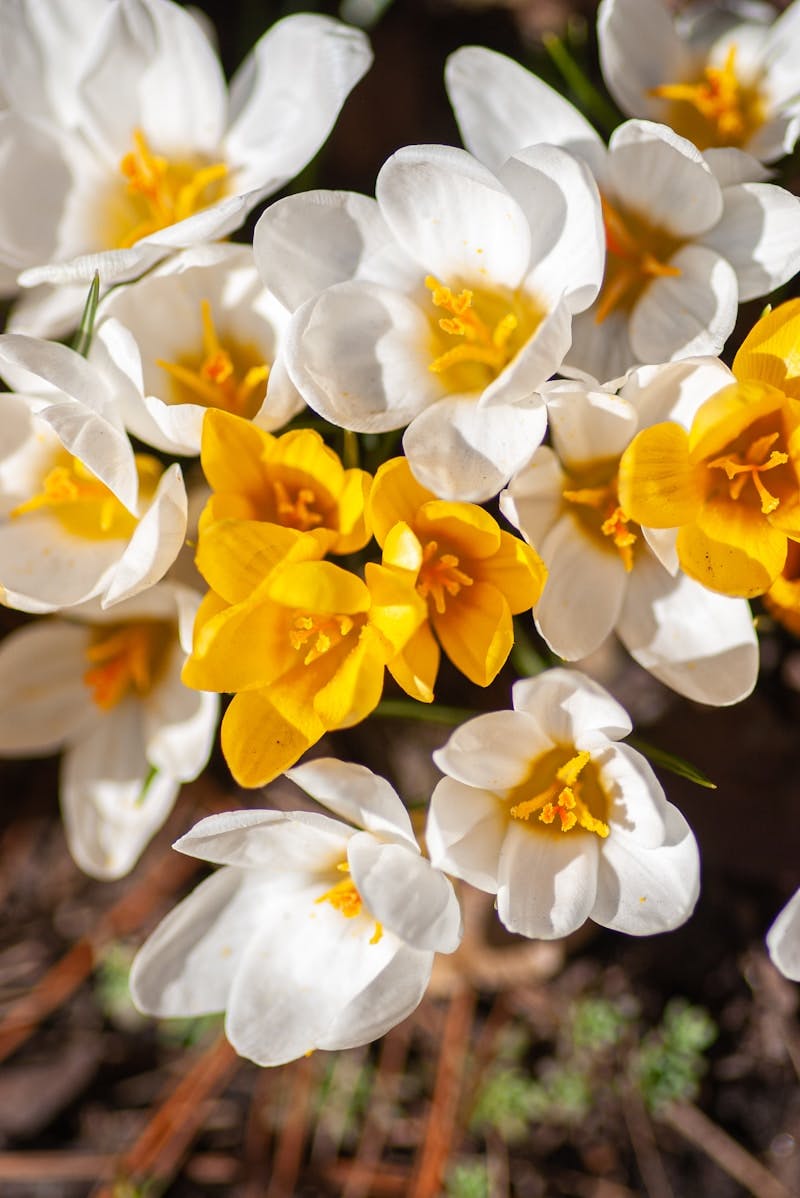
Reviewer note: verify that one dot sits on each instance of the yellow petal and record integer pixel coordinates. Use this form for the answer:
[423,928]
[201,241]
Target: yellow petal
[304,450]
[353,530]
[397,610]
[657,485]
[476,632]
[728,414]
[516,570]
[226,507]
[259,742]
[463,527]
[396,497]
[235,556]
[416,666]
[732,549]
[232,451]
[402,550]
[355,689]
[241,647]
[318,587]
[771,350]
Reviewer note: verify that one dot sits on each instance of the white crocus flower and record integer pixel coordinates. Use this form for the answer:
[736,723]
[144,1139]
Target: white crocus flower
[81,515]
[458,305]
[105,687]
[688,236]
[719,78]
[783,939]
[315,933]
[199,331]
[160,156]
[602,574]
[543,808]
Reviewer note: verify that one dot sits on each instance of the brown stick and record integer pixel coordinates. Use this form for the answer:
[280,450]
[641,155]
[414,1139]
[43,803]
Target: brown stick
[55,1166]
[736,1161]
[441,1122]
[289,1149]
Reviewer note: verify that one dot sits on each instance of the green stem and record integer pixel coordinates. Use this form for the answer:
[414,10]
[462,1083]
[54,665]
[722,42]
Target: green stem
[589,98]
[409,709]
[351,455]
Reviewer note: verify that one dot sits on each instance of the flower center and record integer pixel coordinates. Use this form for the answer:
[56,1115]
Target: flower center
[563,792]
[757,458]
[296,510]
[230,376]
[636,254]
[83,504]
[718,110]
[160,192]
[600,512]
[318,633]
[344,897]
[439,576]
[125,658]
[483,331]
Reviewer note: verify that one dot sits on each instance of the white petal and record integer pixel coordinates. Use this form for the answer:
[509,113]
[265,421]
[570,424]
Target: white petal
[156,540]
[462,451]
[307,963]
[307,242]
[390,997]
[603,349]
[500,108]
[186,966]
[701,644]
[287,94]
[637,803]
[179,724]
[559,196]
[405,893]
[641,891]
[663,177]
[44,568]
[540,356]
[493,751]
[44,702]
[781,48]
[783,939]
[357,795]
[587,426]
[465,832]
[58,368]
[584,592]
[453,216]
[676,390]
[547,881]
[532,501]
[759,234]
[359,355]
[692,313]
[273,841]
[732,166]
[34,163]
[639,50]
[100,445]
[568,704]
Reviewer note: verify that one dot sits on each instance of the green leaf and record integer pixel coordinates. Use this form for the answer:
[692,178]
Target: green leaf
[83,337]
[673,763]
[434,713]
[591,102]
[142,795]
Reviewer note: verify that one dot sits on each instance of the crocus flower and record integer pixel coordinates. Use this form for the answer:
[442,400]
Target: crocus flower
[294,480]
[315,933]
[542,807]
[158,156]
[301,643]
[731,484]
[105,688]
[81,515]
[472,576]
[603,575]
[200,331]
[443,306]
[688,236]
[718,78]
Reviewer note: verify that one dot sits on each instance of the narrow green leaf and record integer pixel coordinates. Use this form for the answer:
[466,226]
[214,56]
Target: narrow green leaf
[434,713]
[142,795]
[83,337]
[591,102]
[673,763]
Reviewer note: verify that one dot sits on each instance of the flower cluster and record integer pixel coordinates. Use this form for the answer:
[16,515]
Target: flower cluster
[538,316]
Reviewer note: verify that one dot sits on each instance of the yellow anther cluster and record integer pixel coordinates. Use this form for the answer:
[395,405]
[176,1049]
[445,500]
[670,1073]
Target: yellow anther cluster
[296,513]
[757,458]
[325,631]
[123,659]
[216,382]
[439,576]
[727,110]
[483,343]
[636,255]
[344,898]
[562,800]
[85,505]
[166,192]
[616,523]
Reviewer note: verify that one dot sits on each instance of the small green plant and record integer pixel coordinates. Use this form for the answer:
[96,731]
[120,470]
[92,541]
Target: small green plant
[468,1181]
[670,1063]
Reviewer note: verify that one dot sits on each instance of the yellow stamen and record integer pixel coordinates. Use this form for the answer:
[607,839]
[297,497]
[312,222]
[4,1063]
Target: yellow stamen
[165,192]
[739,470]
[717,110]
[344,897]
[616,523]
[636,254]
[216,382]
[562,800]
[326,631]
[85,505]
[483,342]
[296,513]
[124,658]
[439,576]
